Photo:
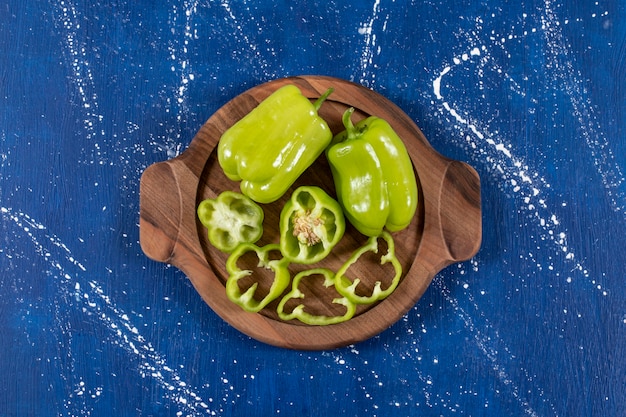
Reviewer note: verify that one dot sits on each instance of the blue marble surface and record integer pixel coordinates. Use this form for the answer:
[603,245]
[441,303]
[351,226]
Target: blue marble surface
[531,94]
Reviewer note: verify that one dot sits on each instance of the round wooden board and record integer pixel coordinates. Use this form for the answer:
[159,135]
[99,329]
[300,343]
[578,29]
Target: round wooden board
[446,228]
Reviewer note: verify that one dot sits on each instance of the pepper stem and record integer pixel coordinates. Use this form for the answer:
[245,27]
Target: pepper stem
[323,97]
[347,123]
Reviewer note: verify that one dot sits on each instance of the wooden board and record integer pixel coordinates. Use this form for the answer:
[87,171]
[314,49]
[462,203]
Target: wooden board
[446,228]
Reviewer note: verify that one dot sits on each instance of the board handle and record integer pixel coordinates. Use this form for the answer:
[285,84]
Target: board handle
[460,211]
[160,211]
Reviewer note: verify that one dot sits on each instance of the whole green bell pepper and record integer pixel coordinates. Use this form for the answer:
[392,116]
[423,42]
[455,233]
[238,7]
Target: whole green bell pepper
[373,176]
[311,224]
[299,312]
[279,267]
[270,147]
[231,219]
[348,287]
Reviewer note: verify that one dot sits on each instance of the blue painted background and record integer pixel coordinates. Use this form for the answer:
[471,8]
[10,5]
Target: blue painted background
[531,94]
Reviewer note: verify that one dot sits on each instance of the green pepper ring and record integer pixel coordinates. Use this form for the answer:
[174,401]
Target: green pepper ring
[308,318]
[246,299]
[347,287]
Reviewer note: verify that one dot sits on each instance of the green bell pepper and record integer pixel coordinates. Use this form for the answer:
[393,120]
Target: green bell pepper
[373,176]
[231,219]
[348,287]
[299,311]
[270,147]
[311,224]
[279,267]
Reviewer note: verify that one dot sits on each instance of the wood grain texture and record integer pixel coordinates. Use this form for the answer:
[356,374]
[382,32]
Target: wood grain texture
[446,228]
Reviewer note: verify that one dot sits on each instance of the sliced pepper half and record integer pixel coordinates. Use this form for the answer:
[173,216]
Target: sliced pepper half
[348,287]
[311,224]
[299,311]
[231,219]
[279,267]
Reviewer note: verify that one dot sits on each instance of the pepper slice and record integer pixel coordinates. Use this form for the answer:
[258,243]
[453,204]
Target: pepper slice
[373,175]
[246,299]
[311,224]
[270,147]
[316,320]
[231,219]
[348,288]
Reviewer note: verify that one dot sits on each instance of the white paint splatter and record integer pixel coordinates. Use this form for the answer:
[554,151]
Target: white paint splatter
[180,53]
[248,47]
[561,68]
[94,302]
[151,364]
[171,141]
[484,338]
[370,49]
[526,184]
[68,25]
